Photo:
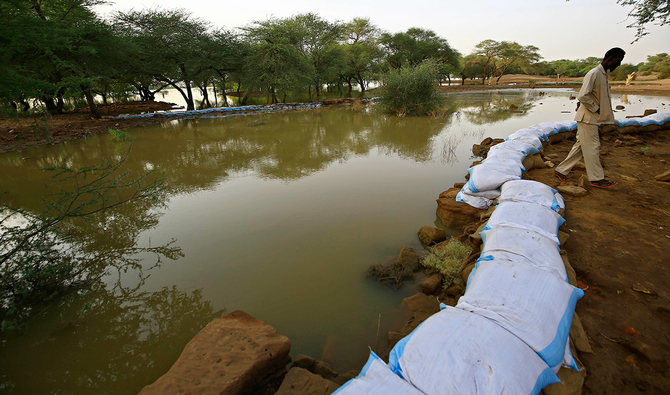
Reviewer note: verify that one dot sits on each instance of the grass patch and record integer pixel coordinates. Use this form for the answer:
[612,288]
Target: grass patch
[448,260]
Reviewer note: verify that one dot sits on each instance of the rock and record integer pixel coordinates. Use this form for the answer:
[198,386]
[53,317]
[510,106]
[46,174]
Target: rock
[408,258]
[654,355]
[233,354]
[572,276]
[487,141]
[454,291]
[649,112]
[572,190]
[578,336]
[465,273]
[394,337]
[618,143]
[584,182]
[346,376]
[459,185]
[429,235]
[455,214]
[579,166]
[421,303]
[663,176]
[432,285]
[479,150]
[549,164]
[513,107]
[315,366]
[620,107]
[299,381]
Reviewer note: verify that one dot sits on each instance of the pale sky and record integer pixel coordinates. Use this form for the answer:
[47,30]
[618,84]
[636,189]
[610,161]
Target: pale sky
[562,29]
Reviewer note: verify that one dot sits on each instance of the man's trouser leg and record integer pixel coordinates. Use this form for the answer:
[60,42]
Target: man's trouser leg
[590,140]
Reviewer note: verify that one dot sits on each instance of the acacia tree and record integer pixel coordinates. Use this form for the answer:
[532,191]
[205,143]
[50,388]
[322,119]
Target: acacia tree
[645,12]
[171,43]
[497,58]
[362,54]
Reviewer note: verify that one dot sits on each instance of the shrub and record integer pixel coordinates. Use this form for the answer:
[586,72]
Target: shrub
[411,91]
[448,260]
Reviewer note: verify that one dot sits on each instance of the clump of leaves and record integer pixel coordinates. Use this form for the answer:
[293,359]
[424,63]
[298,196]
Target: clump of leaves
[394,274]
[412,91]
[448,260]
[120,135]
[644,149]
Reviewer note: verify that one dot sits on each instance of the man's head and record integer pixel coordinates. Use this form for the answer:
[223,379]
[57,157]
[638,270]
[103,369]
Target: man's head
[613,58]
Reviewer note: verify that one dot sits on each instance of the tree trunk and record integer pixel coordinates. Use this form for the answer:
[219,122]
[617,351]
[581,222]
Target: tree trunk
[50,104]
[449,79]
[190,105]
[205,97]
[60,103]
[283,100]
[91,102]
[223,93]
[243,102]
[361,83]
[309,90]
[350,87]
[462,80]
[24,105]
[216,99]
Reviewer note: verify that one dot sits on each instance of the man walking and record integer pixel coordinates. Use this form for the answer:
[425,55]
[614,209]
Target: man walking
[594,107]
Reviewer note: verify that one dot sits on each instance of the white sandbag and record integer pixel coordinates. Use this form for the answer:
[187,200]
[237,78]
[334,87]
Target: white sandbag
[376,378]
[527,135]
[531,303]
[486,177]
[507,153]
[659,118]
[474,201]
[457,352]
[565,126]
[525,147]
[519,245]
[531,192]
[501,161]
[547,128]
[529,216]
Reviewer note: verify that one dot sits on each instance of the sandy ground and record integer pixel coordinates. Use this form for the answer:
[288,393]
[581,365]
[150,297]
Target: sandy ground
[619,246]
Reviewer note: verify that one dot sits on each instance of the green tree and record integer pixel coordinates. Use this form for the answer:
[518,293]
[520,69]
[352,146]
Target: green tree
[645,12]
[659,63]
[362,54]
[416,45]
[171,44]
[411,90]
[497,58]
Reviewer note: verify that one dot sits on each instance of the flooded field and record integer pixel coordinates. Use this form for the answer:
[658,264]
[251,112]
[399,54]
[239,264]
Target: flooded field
[276,214]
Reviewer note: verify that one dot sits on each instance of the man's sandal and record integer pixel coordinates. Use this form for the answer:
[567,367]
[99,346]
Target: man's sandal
[603,183]
[561,177]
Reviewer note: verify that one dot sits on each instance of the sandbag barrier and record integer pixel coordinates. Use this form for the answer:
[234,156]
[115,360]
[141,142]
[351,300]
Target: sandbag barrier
[228,111]
[509,332]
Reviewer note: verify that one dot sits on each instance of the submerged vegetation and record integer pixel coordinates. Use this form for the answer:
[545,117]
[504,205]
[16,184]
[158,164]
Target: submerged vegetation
[412,91]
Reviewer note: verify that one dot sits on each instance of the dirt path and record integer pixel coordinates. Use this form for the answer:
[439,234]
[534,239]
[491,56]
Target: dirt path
[619,246]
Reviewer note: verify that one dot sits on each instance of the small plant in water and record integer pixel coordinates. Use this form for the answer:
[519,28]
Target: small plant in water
[644,149]
[120,135]
[531,83]
[448,260]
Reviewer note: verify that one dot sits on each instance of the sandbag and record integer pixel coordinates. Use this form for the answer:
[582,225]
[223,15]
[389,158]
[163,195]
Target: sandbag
[531,303]
[525,147]
[486,177]
[529,191]
[520,245]
[376,378]
[479,202]
[457,352]
[565,126]
[507,153]
[529,216]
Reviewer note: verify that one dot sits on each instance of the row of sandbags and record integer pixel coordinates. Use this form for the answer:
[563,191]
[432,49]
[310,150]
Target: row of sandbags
[508,334]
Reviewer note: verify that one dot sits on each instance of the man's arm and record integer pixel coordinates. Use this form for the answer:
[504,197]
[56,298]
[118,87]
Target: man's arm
[586,96]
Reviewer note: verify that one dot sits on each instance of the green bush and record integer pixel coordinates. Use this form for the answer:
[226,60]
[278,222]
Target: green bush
[411,91]
[448,260]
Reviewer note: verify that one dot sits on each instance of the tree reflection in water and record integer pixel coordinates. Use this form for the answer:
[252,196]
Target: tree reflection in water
[116,339]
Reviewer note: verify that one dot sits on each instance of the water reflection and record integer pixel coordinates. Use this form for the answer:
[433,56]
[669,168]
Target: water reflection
[100,341]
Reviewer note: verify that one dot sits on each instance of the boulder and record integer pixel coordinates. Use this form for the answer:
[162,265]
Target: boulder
[233,354]
[408,258]
[455,214]
[421,303]
[432,285]
[429,235]
[663,176]
[572,190]
[300,381]
[315,366]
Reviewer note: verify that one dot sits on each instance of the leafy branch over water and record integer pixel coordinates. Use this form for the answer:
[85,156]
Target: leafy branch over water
[42,254]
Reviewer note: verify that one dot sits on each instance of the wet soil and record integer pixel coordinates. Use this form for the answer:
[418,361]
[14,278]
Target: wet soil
[619,246]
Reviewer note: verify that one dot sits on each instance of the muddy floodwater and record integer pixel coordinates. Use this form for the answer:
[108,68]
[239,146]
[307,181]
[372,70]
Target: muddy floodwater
[276,214]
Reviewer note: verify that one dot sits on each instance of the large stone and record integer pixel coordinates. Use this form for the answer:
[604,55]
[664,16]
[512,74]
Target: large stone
[300,381]
[421,303]
[584,182]
[455,214]
[429,235]
[408,258]
[233,354]
[572,190]
[432,285]
[315,366]
[663,176]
